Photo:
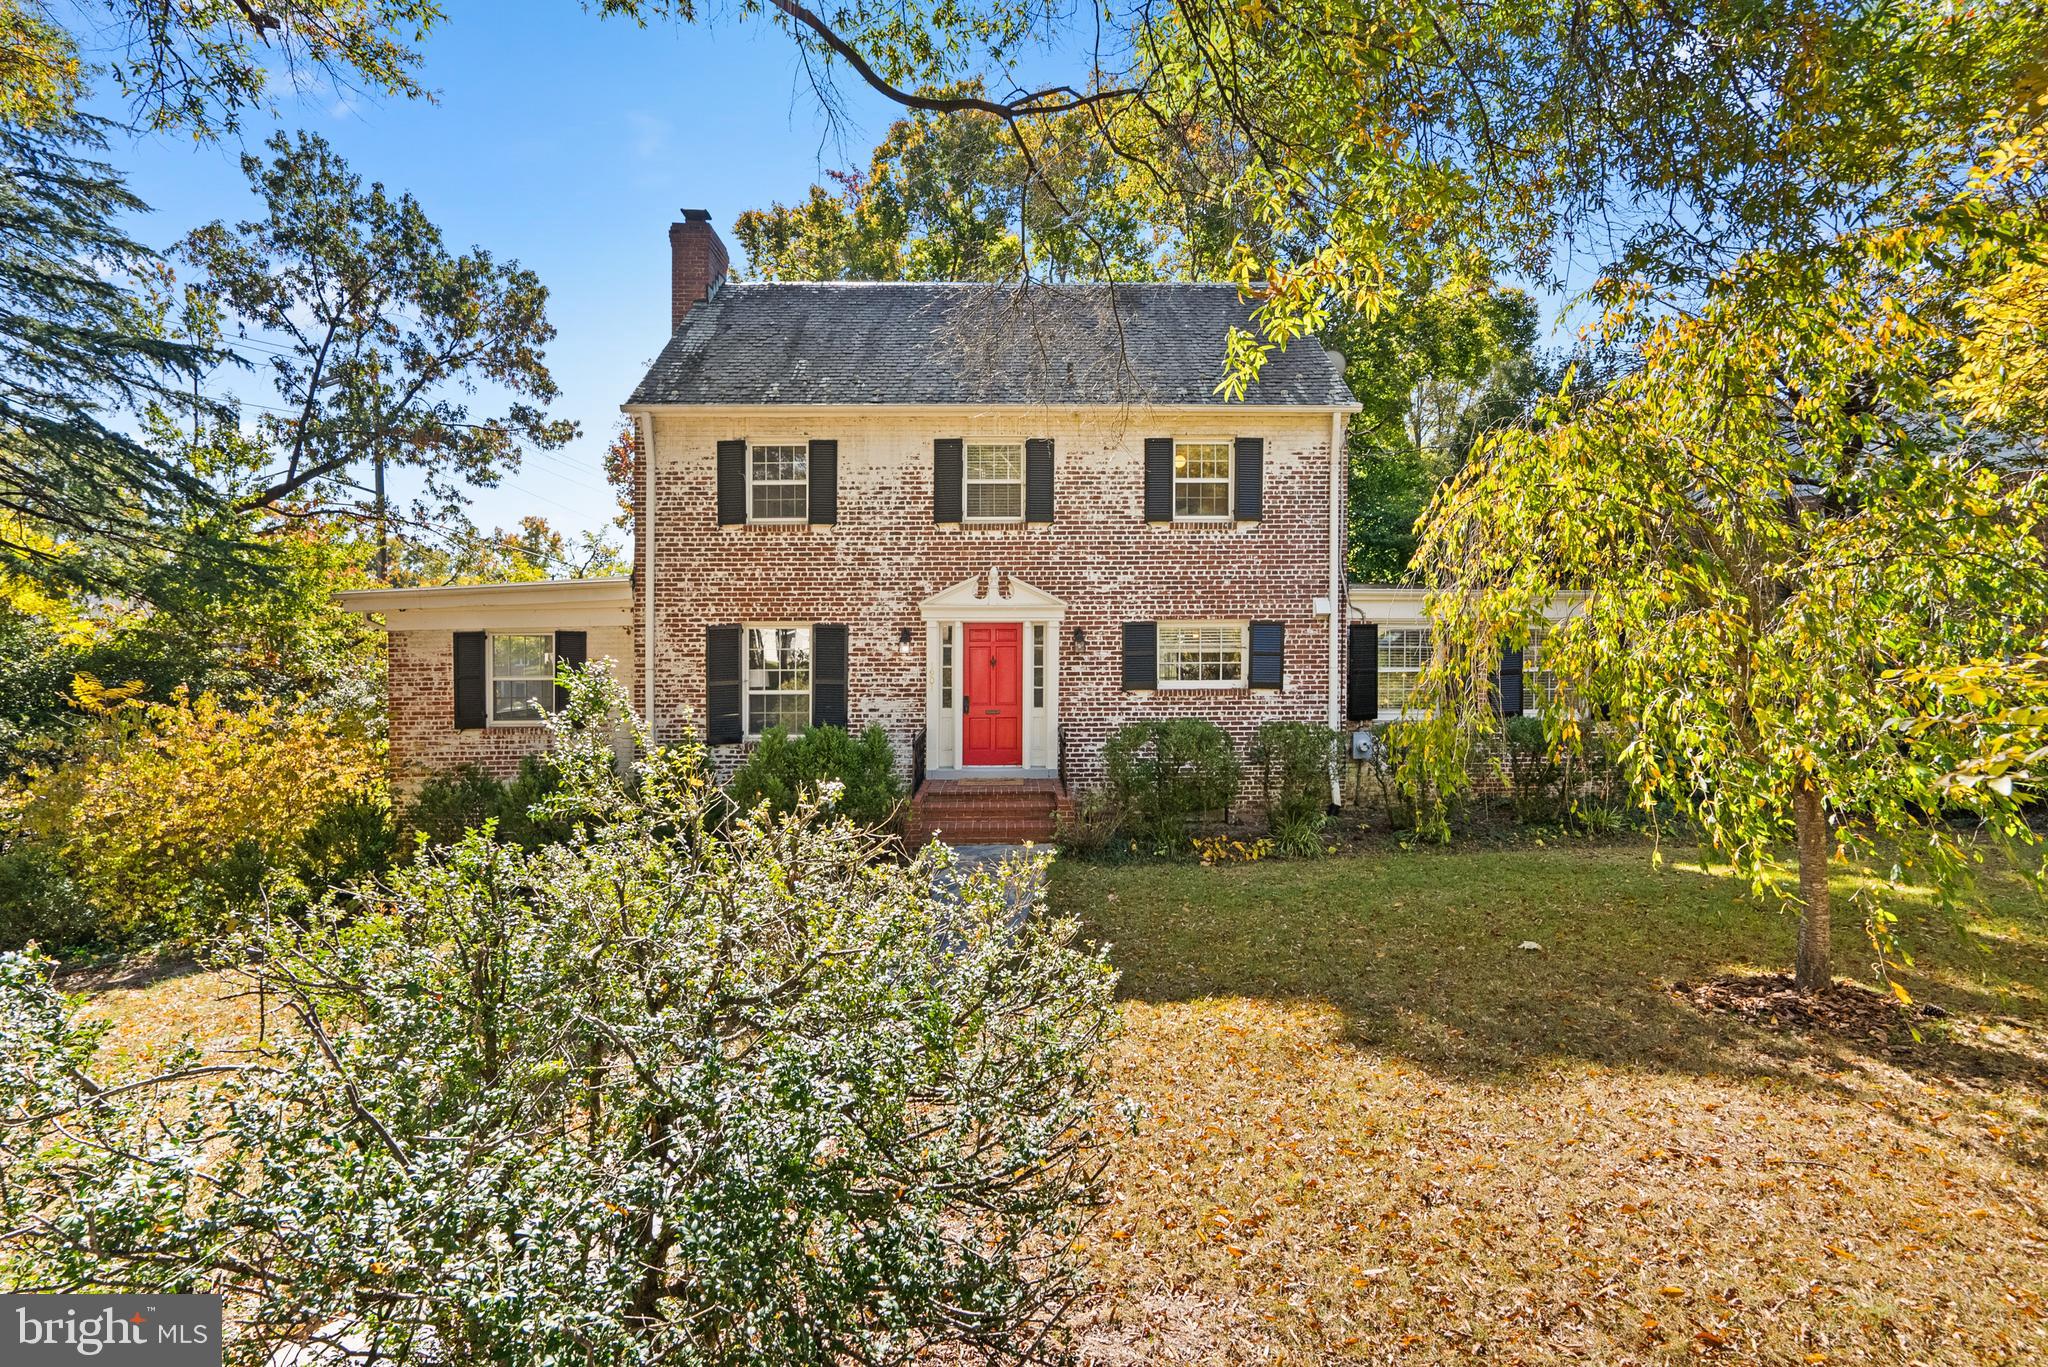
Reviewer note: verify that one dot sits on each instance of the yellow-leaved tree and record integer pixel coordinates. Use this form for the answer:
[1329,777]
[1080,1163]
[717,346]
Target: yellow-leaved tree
[159,796]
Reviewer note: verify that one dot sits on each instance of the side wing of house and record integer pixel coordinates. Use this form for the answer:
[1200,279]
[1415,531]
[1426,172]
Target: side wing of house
[471,668]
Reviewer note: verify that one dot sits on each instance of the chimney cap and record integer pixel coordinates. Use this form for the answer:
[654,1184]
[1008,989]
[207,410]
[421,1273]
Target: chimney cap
[696,215]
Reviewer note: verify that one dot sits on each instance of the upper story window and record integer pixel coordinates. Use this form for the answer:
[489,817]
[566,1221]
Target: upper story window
[1201,480]
[522,677]
[994,480]
[1201,654]
[778,482]
[1403,653]
[778,678]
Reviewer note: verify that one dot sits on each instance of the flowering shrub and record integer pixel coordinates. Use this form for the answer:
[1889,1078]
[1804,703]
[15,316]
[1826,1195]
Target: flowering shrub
[681,1089]
[162,801]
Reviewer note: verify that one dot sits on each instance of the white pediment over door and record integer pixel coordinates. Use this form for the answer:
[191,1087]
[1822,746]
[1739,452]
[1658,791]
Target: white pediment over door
[992,597]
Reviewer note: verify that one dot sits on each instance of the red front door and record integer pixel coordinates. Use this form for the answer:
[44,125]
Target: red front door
[993,700]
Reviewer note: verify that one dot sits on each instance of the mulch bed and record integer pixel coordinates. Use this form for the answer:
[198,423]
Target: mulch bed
[1769,999]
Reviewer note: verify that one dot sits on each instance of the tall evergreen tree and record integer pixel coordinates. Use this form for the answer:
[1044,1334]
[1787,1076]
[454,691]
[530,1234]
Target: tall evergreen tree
[81,344]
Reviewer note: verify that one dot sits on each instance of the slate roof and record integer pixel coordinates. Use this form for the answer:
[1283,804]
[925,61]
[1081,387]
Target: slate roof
[819,343]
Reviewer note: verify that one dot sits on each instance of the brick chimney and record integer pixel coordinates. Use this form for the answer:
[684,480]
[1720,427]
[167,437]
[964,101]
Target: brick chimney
[698,262]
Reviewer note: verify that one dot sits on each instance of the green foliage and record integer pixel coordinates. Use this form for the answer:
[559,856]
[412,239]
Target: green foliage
[40,904]
[447,806]
[684,1090]
[1166,775]
[82,346]
[944,198]
[1570,780]
[785,772]
[389,333]
[1432,370]
[1294,761]
[163,807]
[199,67]
[1818,582]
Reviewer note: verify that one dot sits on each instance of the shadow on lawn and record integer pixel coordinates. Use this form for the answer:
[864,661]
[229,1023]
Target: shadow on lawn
[1420,951]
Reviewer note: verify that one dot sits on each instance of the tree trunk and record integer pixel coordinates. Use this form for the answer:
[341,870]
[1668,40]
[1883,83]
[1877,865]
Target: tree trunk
[1812,972]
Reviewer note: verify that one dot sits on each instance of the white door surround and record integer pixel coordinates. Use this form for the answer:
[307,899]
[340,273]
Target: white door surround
[994,597]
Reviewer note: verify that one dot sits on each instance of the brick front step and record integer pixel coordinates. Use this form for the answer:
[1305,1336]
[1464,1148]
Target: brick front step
[986,811]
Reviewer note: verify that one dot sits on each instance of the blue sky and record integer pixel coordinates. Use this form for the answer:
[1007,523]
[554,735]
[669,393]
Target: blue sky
[568,143]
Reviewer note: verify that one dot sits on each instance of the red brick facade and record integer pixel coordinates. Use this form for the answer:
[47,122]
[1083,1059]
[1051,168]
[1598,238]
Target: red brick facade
[1099,557]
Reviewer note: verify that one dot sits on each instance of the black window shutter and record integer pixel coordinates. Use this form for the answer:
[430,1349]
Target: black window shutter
[1269,654]
[1141,655]
[1038,480]
[828,675]
[1159,479]
[947,456]
[824,483]
[1248,501]
[732,483]
[1507,692]
[571,648]
[469,680]
[722,685]
[1362,673]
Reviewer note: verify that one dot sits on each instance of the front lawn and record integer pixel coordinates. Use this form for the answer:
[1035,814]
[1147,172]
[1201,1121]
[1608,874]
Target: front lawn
[1378,1129]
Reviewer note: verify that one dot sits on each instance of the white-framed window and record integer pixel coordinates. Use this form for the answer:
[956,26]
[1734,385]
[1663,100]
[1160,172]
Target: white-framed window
[994,481]
[1403,653]
[1038,664]
[1539,683]
[522,679]
[1201,654]
[779,482]
[778,689]
[1201,479]
[946,665]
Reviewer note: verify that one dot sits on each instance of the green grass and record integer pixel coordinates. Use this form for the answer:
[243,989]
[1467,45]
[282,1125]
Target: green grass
[1379,1129]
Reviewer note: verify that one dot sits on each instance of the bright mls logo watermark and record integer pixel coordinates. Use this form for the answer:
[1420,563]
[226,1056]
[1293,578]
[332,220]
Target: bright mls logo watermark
[110,1331]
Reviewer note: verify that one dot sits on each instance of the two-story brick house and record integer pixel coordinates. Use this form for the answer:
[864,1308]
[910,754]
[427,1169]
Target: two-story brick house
[1000,525]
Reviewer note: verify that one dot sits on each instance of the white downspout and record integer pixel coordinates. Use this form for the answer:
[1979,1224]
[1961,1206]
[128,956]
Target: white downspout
[645,533]
[1339,463]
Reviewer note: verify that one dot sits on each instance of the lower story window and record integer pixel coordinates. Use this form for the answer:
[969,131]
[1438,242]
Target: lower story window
[1403,653]
[1193,654]
[1539,683]
[778,678]
[946,665]
[1038,664]
[522,677]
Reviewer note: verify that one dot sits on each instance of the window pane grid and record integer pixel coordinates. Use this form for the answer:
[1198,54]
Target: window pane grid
[1404,651]
[1038,665]
[994,480]
[1201,654]
[1201,479]
[1539,685]
[779,482]
[778,678]
[522,676]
